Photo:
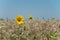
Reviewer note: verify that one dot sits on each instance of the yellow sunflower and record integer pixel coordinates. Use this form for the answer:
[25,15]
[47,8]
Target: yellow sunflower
[19,19]
[30,17]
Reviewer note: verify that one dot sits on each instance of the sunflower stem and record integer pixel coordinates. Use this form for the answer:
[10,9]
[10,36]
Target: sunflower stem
[1,34]
[19,31]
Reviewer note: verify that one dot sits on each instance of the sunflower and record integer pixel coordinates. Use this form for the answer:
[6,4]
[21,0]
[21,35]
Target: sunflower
[30,17]
[19,19]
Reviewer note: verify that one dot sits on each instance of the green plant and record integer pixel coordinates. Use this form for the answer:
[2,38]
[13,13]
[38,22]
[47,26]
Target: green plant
[13,36]
[37,36]
[51,34]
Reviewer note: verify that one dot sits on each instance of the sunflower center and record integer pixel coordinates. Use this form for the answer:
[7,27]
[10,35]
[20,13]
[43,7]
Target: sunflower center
[19,19]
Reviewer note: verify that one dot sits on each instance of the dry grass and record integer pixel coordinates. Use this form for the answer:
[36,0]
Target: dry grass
[30,30]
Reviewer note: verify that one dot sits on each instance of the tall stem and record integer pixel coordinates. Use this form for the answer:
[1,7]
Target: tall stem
[19,31]
[47,38]
[1,33]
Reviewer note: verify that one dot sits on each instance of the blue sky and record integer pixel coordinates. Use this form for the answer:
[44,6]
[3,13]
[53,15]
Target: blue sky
[38,8]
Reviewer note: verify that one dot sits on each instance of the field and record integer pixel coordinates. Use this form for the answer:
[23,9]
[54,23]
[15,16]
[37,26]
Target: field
[30,30]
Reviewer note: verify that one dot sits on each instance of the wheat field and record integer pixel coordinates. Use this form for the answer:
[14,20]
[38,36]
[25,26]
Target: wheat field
[30,30]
